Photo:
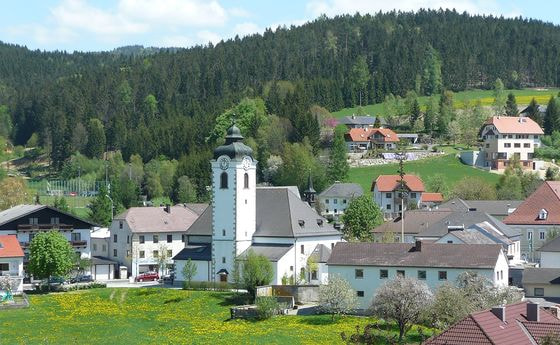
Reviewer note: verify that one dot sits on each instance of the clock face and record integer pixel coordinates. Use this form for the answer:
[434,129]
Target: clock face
[224,163]
[246,163]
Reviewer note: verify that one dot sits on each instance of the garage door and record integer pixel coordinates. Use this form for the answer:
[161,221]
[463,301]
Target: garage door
[102,272]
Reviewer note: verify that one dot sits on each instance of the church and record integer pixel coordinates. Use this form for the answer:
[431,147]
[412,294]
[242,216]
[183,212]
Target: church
[272,221]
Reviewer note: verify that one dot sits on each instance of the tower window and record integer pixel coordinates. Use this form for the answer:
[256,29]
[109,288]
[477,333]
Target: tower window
[246,181]
[224,181]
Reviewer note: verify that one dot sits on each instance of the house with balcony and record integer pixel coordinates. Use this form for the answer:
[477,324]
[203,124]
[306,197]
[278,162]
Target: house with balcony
[362,139]
[388,195]
[508,137]
[11,259]
[25,221]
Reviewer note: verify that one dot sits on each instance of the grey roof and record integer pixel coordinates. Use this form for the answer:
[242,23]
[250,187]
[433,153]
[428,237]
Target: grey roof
[19,211]
[279,212]
[202,252]
[197,208]
[492,207]
[360,120]
[541,109]
[234,146]
[416,221]
[272,252]
[472,236]
[342,190]
[156,219]
[492,233]
[406,255]
[101,260]
[321,253]
[465,219]
[551,246]
[533,275]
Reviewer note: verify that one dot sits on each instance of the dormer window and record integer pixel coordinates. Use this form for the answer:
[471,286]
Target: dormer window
[543,214]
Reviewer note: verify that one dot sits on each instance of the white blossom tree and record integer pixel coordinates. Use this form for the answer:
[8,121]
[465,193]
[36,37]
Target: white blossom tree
[402,300]
[337,297]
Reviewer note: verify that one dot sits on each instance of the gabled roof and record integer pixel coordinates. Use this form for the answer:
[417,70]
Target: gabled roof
[536,275]
[437,255]
[20,211]
[492,207]
[416,221]
[551,246]
[202,252]
[360,120]
[280,211]
[390,183]
[358,134]
[342,190]
[156,219]
[546,197]
[272,252]
[514,125]
[431,197]
[388,135]
[197,208]
[9,247]
[471,236]
[321,253]
[486,328]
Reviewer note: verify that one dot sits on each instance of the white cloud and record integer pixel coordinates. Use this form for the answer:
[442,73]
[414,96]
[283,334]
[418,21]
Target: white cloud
[247,28]
[179,41]
[239,12]
[206,36]
[334,7]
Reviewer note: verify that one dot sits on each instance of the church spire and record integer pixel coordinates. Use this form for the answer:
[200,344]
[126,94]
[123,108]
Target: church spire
[309,193]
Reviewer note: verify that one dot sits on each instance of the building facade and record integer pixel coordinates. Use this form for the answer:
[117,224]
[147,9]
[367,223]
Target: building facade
[11,260]
[336,198]
[386,190]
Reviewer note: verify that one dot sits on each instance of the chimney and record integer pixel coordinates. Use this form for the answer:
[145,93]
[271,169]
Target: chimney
[418,246]
[533,312]
[167,208]
[500,313]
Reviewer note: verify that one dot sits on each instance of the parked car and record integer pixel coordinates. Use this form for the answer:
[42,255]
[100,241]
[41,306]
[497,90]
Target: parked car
[81,279]
[147,276]
[169,277]
[57,280]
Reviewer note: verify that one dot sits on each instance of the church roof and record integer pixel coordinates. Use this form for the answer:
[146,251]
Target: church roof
[272,252]
[234,146]
[280,213]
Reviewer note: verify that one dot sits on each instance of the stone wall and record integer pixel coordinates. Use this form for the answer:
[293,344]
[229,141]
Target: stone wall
[303,294]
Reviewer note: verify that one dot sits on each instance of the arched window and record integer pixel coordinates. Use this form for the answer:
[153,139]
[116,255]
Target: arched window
[223,181]
[246,181]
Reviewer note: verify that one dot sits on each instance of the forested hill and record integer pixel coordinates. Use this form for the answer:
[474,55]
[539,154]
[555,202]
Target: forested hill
[165,102]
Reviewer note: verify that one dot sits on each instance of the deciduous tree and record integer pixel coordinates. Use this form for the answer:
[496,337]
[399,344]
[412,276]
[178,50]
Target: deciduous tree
[257,271]
[360,217]
[337,297]
[13,192]
[50,254]
[189,271]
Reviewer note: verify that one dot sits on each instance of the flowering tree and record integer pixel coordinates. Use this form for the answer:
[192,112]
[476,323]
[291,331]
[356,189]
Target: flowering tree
[337,297]
[402,300]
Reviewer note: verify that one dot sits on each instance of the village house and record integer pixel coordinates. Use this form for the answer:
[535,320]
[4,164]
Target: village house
[365,121]
[362,139]
[273,221]
[141,237]
[518,323]
[336,198]
[541,282]
[509,137]
[11,260]
[102,267]
[388,195]
[25,221]
[535,218]
[496,208]
[550,254]
[367,266]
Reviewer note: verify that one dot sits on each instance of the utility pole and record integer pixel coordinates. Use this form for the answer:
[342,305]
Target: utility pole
[402,190]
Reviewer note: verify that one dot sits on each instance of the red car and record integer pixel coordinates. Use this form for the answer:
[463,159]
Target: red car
[147,276]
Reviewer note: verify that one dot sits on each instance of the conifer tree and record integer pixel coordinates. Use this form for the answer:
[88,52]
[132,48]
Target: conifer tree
[338,165]
[551,117]
[511,105]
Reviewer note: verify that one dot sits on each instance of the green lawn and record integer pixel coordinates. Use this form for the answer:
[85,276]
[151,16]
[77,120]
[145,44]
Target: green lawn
[160,316]
[448,165]
[523,97]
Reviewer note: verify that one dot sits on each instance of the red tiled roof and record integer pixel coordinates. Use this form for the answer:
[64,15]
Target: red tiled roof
[359,134]
[432,197]
[514,125]
[9,247]
[546,197]
[486,328]
[388,135]
[389,183]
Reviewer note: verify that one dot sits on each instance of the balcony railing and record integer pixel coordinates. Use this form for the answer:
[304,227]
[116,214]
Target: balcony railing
[43,227]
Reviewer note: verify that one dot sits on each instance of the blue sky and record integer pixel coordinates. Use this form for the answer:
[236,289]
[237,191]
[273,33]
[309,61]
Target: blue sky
[93,25]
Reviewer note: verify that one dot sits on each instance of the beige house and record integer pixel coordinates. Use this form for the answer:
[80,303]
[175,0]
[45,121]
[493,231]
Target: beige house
[541,282]
[506,137]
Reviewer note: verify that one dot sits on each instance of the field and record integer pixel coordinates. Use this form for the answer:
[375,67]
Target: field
[486,97]
[448,165]
[160,316]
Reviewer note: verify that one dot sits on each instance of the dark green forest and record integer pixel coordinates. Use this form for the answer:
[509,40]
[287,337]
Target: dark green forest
[165,102]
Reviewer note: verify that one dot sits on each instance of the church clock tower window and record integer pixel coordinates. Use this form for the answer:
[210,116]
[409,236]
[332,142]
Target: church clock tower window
[246,181]
[224,180]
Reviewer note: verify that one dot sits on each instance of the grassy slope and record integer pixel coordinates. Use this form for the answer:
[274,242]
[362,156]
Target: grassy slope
[449,166]
[160,316]
[523,97]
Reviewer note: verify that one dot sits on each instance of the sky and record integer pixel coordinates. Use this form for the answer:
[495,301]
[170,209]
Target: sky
[96,25]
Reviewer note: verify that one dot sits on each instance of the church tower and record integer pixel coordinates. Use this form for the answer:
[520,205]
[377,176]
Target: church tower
[233,202]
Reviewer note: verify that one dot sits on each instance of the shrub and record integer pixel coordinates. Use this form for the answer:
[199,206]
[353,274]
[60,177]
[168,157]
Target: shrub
[267,307]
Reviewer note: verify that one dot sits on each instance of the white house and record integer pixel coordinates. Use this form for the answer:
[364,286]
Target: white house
[538,215]
[141,235]
[102,267]
[541,282]
[506,137]
[11,259]
[366,266]
[272,221]
[550,254]
[25,221]
[336,198]
[388,195]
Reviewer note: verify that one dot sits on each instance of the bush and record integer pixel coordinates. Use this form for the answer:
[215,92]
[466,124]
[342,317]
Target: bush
[267,307]
[205,285]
